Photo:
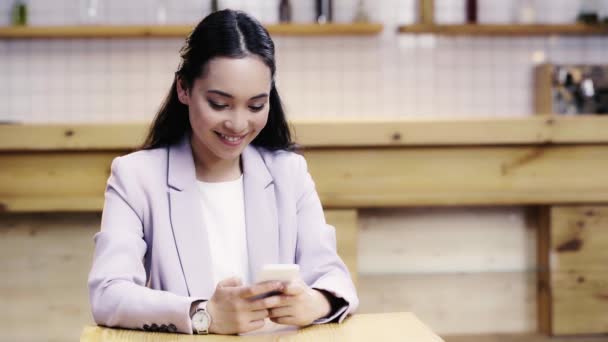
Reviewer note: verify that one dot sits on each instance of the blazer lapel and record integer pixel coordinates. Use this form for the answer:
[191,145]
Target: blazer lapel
[260,212]
[186,220]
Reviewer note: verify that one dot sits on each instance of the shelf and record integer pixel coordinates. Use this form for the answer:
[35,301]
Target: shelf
[319,133]
[59,32]
[325,29]
[505,30]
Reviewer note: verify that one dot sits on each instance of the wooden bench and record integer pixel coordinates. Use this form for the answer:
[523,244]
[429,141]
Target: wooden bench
[557,164]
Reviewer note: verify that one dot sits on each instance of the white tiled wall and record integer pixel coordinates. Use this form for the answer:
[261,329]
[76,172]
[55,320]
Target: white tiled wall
[116,80]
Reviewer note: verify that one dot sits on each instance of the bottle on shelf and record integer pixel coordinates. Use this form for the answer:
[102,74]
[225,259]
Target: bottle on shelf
[284,11]
[471,8]
[19,13]
[215,6]
[91,11]
[361,15]
[588,12]
[526,13]
[324,11]
[161,12]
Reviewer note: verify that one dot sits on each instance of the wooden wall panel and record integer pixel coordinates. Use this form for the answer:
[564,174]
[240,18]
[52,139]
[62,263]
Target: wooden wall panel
[460,176]
[578,260]
[543,97]
[44,264]
[321,133]
[462,270]
[47,182]
[352,178]
[457,303]
[446,240]
[545,318]
[46,259]
[347,228]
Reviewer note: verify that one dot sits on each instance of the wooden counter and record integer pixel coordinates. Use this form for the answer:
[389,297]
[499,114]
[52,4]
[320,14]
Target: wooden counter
[356,164]
[557,164]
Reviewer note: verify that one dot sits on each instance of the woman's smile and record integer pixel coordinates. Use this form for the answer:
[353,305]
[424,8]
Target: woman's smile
[231,140]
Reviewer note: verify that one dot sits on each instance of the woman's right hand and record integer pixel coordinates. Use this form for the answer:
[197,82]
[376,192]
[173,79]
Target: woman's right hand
[234,309]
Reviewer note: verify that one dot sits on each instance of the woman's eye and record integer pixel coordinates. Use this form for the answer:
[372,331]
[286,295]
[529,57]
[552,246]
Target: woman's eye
[217,106]
[256,108]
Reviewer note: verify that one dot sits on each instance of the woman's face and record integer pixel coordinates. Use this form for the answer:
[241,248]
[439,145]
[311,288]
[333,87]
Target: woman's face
[228,106]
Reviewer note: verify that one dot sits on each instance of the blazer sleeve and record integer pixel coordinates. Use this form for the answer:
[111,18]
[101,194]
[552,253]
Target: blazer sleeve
[320,265]
[117,291]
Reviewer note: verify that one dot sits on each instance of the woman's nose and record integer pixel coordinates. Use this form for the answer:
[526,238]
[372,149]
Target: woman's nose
[237,122]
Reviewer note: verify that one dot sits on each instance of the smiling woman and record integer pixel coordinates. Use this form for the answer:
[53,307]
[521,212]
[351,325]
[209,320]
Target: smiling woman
[228,108]
[214,195]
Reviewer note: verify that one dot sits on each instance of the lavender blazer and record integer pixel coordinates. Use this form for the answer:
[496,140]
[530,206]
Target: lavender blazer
[151,257]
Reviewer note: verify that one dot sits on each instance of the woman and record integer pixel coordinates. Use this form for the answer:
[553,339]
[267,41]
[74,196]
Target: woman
[215,194]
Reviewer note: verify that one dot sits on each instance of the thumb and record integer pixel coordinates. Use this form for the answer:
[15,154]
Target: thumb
[295,287]
[230,282]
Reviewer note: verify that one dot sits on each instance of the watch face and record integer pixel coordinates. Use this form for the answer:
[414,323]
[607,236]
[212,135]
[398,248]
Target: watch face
[200,320]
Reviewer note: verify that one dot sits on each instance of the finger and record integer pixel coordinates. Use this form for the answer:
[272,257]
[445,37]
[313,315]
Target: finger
[258,315]
[266,303]
[294,288]
[254,325]
[261,288]
[230,282]
[287,320]
[283,311]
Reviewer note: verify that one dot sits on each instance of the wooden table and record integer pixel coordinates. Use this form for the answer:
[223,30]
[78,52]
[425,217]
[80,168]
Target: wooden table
[402,326]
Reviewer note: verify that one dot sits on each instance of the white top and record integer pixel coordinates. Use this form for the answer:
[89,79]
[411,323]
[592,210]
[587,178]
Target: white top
[223,212]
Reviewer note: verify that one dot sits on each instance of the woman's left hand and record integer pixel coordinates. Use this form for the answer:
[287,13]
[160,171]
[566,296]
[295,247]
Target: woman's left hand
[300,305]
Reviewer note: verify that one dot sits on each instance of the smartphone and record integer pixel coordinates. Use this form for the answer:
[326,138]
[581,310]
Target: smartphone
[278,272]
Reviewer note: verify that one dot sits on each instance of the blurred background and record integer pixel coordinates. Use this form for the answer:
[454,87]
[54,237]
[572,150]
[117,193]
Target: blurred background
[462,270]
[384,74]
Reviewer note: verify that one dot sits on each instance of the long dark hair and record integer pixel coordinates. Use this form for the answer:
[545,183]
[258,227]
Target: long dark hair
[225,33]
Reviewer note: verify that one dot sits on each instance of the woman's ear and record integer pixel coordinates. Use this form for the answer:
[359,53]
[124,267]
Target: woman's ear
[182,92]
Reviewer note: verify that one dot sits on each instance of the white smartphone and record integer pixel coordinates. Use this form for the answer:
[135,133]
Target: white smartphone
[278,272]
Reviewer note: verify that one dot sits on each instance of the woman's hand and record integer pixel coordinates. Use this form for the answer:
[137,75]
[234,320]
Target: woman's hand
[299,305]
[235,309]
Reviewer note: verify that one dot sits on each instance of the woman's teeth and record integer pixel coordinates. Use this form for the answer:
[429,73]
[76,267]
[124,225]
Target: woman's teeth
[230,138]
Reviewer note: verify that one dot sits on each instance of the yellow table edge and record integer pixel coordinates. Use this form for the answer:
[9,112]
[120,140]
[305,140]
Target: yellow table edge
[399,326]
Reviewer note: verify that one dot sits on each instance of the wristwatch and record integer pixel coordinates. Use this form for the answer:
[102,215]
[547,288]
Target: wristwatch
[201,320]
